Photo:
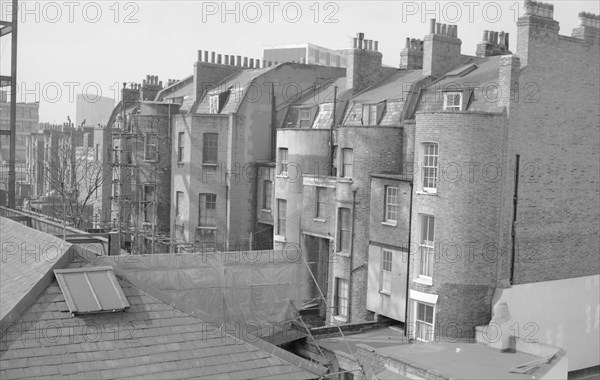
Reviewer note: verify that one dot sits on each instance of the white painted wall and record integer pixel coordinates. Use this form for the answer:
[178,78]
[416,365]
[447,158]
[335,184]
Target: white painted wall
[564,313]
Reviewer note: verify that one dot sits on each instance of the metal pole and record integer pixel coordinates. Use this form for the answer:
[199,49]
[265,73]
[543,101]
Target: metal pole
[13,109]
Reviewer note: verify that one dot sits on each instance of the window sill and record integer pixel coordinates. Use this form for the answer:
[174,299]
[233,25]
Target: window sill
[151,161]
[180,164]
[279,238]
[421,192]
[281,176]
[265,210]
[424,281]
[385,292]
[207,228]
[345,180]
[212,164]
[343,254]
[340,318]
[390,223]
[319,220]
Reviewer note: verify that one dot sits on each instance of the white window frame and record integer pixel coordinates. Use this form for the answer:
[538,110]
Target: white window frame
[320,209]
[424,330]
[426,247]
[304,116]
[369,114]
[391,208]
[387,259]
[450,100]
[431,157]
[347,163]
[283,161]
[342,293]
[267,195]
[348,230]
[213,104]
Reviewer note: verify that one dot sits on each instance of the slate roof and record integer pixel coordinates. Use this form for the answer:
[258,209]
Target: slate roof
[153,339]
[28,257]
[482,80]
[239,83]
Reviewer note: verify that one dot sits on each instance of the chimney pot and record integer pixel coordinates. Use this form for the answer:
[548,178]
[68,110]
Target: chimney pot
[444,31]
[199,55]
[238,60]
[376,47]
[251,63]
[485,35]
[206,57]
[212,57]
[219,58]
[160,84]
[360,43]
[245,61]
[438,28]
[361,36]
[355,43]
[506,39]
[501,39]
[407,46]
[432,26]
[264,63]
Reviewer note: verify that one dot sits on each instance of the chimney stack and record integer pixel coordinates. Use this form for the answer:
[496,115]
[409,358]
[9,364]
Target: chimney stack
[363,63]
[588,27]
[493,43]
[536,27]
[441,50]
[411,57]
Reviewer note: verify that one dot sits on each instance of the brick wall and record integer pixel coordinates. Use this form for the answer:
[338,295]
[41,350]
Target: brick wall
[555,129]
[466,210]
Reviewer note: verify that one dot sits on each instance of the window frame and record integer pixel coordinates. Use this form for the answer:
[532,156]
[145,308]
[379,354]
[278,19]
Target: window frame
[148,144]
[453,107]
[178,203]
[180,146]
[320,192]
[347,164]
[267,203]
[147,202]
[283,163]
[208,151]
[341,294]
[386,270]
[426,247]
[205,217]
[281,221]
[344,233]
[430,164]
[387,204]
[420,323]
[306,119]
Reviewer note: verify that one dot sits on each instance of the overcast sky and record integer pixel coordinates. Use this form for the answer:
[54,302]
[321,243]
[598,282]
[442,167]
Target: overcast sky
[70,47]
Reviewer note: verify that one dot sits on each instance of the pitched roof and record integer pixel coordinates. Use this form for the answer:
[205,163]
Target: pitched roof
[153,338]
[238,83]
[28,257]
[395,86]
[478,77]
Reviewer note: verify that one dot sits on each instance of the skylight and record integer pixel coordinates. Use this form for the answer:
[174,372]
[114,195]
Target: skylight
[91,290]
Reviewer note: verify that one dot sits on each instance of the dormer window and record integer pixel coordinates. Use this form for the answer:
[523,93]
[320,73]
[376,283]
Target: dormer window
[453,101]
[304,118]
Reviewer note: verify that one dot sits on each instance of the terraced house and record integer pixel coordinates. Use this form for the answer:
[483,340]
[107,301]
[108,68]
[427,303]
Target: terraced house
[456,190]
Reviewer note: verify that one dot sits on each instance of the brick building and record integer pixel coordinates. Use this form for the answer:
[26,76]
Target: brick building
[141,167]
[27,122]
[463,185]
[225,141]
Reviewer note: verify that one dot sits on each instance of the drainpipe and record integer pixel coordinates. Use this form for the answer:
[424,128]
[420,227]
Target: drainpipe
[331,132]
[351,252]
[408,260]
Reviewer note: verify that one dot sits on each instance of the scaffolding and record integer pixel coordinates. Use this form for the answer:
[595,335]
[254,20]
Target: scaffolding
[140,191]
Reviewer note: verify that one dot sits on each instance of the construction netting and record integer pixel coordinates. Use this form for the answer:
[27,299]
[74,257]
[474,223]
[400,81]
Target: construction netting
[260,289]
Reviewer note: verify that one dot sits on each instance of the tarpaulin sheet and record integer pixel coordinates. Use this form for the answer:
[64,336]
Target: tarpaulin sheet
[246,288]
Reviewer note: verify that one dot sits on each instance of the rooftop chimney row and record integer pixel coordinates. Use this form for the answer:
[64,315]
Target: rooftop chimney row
[229,60]
[496,39]
[413,44]
[151,80]
[589,19]
[359,42]
[537,8]
[442,29]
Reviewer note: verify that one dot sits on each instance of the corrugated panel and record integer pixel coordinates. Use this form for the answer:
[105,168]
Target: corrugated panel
[91,290]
